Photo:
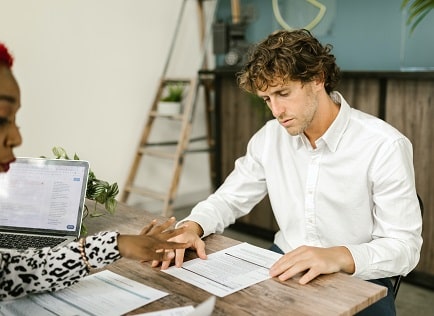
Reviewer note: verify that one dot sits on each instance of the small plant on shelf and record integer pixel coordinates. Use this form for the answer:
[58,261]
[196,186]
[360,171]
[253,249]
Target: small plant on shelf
[175,92]
[171,102]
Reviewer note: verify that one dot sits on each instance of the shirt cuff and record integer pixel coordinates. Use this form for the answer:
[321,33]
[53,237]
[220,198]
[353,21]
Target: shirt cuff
[361,261]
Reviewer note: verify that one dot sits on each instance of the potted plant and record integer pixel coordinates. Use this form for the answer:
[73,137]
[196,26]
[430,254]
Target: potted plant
[97,190]
[170,104]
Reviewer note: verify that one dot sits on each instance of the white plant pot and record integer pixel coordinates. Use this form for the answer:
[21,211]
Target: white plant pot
[169,107]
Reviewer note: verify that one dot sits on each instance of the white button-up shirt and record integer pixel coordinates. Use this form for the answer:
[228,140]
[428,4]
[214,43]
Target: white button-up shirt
[356,189]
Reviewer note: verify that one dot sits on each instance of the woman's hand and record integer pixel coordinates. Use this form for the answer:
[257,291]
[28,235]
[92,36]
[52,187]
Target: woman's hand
[191,235]
[152,242]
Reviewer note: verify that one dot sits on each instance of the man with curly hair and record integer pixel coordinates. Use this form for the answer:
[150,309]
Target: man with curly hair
[340,182]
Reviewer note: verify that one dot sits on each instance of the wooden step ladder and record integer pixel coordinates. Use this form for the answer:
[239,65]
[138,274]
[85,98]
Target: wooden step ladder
[170,150]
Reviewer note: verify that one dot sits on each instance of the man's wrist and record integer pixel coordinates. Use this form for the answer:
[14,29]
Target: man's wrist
[193,227]
[347,262]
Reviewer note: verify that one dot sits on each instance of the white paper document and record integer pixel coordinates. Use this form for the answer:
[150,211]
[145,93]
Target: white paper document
[104,293]
[177,311]
[203,309]
[229,270]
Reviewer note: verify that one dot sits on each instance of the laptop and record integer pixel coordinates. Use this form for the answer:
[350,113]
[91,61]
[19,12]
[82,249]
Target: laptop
[42,200]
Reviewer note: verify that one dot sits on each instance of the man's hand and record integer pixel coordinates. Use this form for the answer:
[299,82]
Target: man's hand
[152,242]
[191,235]
[311,262]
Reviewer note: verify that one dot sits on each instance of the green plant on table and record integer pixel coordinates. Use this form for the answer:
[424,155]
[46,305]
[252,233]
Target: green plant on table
[97,190]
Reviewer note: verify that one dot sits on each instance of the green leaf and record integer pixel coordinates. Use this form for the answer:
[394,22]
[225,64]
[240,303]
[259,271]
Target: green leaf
[113,190]
[95,214]
[110,205]
[91,175]
[175,92]
[60,153]
[99,188]
[83,230]
[417,11]
[404,4]
[101,197]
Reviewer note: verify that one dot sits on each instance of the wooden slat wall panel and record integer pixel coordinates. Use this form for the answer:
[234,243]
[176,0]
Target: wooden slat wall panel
[410,108]
[362,94]
[241,117]
[239,121]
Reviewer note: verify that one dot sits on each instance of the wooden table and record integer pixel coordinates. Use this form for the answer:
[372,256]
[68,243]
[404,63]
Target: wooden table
[334,294]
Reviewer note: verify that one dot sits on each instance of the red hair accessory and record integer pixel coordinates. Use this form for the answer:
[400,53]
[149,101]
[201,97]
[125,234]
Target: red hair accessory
[5,57]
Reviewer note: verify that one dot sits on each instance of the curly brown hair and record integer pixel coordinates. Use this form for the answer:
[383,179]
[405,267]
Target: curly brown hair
[288,55]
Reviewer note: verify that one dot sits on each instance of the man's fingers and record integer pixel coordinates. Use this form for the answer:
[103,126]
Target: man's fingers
[163,255]
[168,255]
[170,233]
[179,258]
[200,249]
[165,264]
[176,245]
[279,267]
[308,276]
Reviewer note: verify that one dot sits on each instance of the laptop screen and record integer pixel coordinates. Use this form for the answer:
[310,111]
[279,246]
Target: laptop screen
[39,194]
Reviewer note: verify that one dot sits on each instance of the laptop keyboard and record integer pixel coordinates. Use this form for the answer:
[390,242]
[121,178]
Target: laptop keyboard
[12,241]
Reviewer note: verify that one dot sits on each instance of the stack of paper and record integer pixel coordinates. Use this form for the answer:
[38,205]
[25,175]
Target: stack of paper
[97,294]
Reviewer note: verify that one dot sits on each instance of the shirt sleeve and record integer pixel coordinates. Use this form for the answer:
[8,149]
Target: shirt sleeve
[241,191]
[47,269]
[396,237]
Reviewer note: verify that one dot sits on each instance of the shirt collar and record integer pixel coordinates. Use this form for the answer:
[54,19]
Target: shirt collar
[334,133]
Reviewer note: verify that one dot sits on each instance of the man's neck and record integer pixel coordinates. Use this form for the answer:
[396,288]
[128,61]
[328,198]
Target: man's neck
[326,113]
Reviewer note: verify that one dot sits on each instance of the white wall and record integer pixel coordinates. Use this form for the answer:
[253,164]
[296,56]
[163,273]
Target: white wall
[88,71]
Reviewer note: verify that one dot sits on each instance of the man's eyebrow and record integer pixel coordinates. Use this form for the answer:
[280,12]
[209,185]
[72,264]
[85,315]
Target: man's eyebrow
[7,98]
[272,92]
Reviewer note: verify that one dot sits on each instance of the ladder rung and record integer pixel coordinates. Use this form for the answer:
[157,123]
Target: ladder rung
[146,192]
[169,116]
[157,153]
[198,139]
[199,150]
[176,142]
[165,143]
[176,80]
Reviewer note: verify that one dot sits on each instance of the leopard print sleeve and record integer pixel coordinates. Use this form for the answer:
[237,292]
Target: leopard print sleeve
[49,269]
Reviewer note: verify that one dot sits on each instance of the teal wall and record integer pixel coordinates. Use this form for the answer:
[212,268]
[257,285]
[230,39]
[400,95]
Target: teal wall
[365,34]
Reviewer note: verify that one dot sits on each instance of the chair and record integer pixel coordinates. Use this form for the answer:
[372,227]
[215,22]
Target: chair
[399,278]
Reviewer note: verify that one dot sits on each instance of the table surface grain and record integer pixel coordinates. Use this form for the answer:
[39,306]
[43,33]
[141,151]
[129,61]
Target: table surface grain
[334,294]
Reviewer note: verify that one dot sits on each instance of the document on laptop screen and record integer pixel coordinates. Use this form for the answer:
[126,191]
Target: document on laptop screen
[36,197]
[229,270]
